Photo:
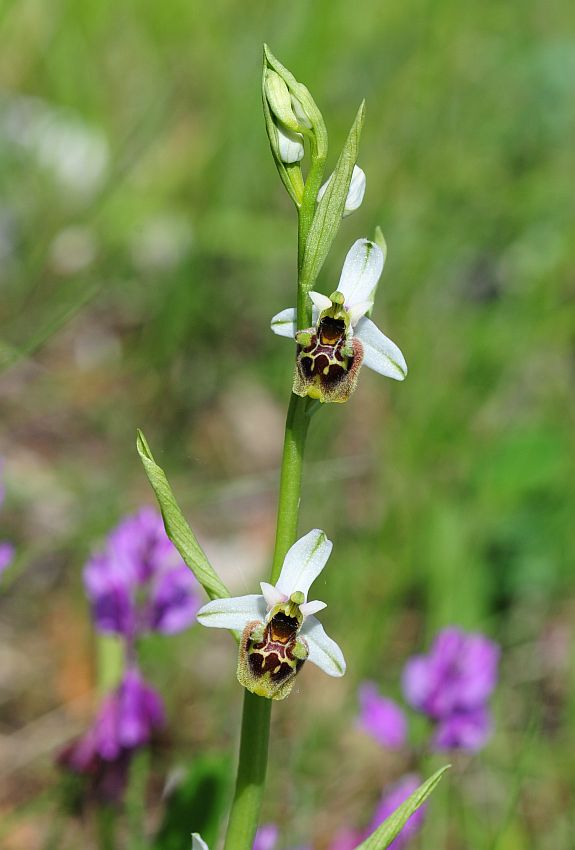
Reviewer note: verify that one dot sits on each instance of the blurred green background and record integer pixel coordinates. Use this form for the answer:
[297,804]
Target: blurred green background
[145,242]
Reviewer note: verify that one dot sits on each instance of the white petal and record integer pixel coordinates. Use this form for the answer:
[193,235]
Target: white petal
[379,352]
[356,191]
[233,613]
[198,842]
[304,562]
[290,145]
[323,651]
[309,608]
[358,310]
[284,323]
[271,594]
[361,271]
[319,301]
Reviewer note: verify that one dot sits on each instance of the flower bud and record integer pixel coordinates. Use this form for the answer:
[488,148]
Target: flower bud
[290,145]
[280,101]
[355,193]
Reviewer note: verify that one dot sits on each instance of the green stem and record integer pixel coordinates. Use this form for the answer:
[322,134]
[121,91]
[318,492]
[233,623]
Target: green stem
[250,782]
[290,481]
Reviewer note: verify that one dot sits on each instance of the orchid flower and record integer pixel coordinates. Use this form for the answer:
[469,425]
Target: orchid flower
[331,352]
[279,629]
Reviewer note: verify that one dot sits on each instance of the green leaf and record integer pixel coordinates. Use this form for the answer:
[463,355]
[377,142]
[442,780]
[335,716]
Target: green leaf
[329,211]
[176,526]
[390,828]
[196,804]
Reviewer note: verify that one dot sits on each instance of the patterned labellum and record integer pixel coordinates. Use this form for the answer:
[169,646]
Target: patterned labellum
[271,655]
[327,368]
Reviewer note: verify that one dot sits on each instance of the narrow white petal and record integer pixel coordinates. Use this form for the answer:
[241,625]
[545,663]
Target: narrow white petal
[271,594]
[358,310]
[313,607]
[356,191]
[233,613]
[198,842]
[320,301]
[361,271]
[323,651]
[304,562]
[379,352]
[284,323]
[290,145]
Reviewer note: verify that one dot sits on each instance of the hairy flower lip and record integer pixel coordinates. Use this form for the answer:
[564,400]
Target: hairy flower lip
[303,563]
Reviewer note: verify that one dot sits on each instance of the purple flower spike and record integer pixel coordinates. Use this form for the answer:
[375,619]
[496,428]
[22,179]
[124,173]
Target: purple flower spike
[126,721]
[382,718]
[139,583]
[266,837]
[397,795]
[452,685]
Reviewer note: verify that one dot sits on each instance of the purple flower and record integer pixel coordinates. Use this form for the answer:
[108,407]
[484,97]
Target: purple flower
[382,718]
[452,685]
[126,721]
[138,583]
[397,795]
[266,837]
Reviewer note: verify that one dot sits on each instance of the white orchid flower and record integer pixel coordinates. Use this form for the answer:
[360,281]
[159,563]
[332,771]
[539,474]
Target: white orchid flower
[198,842]
[355,192]
[331,353]
[279,629]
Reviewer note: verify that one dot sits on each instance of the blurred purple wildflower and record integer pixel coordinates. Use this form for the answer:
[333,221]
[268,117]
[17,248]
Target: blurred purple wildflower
[138,583]
[266,837]
[6,549]
[390,801]
[126,721]
[452,685]
[347,839]
[381,717]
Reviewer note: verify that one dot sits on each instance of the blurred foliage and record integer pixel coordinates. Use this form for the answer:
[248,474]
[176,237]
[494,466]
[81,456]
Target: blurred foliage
[145,242]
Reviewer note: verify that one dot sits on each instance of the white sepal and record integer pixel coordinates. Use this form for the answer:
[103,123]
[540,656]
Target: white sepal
[304,562]
[233,612]
[271,594]
[198,842]
[323,651]
[309,608]
[284,323]
[355,192]
[379,352]
[290,145]
[320,301]
[361,271]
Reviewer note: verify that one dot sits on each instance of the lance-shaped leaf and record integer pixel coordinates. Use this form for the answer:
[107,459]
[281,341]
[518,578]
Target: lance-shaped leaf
[330,209]
[390,828]
[176,526]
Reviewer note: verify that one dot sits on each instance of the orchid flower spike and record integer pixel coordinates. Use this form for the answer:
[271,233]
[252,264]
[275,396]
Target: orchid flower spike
[331,353]
[279,630]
